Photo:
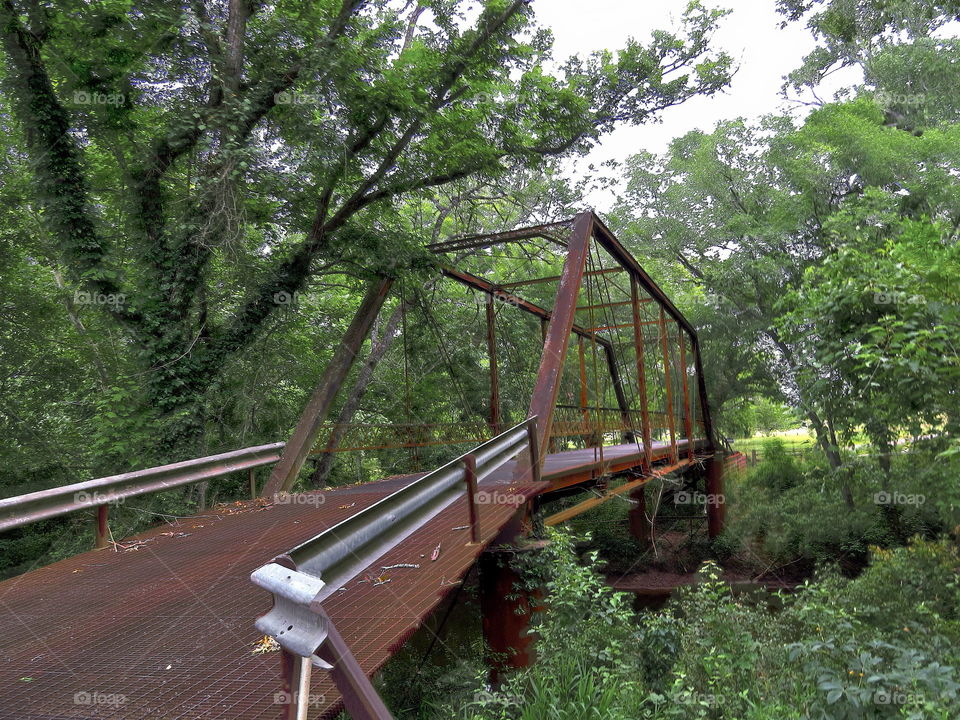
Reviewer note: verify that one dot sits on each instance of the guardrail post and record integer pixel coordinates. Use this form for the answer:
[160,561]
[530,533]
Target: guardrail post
[252,478]
[470,476]
[534,442]
[103,529]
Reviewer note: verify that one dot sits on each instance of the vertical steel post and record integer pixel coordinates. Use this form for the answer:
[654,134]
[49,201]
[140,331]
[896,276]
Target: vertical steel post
[664,341]
[702,391]
[495,422]
[618,390]
[295,453]
[687,419]
[584,398]
[103,530]
[252,480]
[641,372]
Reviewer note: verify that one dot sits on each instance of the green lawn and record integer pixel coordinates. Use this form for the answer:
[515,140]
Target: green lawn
[792,441]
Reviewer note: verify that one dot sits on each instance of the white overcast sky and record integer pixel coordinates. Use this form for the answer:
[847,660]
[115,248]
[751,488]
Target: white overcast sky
[762,52]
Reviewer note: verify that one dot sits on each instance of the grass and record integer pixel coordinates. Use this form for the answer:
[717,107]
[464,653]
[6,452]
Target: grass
[791,441]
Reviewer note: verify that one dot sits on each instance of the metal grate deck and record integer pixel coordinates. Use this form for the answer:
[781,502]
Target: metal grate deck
[164,630]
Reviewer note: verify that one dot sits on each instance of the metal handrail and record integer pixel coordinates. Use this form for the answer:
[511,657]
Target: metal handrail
[43,504]
[309,573]
[344,550]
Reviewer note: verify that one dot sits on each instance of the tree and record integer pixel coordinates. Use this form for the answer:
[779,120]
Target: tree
[202,161]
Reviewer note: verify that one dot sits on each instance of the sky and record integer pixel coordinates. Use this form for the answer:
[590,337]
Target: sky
[762,51]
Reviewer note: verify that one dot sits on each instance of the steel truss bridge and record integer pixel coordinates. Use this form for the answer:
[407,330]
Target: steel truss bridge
[177,622]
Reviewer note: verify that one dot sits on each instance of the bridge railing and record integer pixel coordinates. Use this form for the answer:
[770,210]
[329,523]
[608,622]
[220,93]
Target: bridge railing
[100,493]
[301,579]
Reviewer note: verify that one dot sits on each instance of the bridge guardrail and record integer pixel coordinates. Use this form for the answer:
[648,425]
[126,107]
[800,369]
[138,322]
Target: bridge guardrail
[306,575]
[101,492]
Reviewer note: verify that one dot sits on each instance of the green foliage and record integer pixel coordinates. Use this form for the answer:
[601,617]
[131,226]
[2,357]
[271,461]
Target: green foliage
[586,646]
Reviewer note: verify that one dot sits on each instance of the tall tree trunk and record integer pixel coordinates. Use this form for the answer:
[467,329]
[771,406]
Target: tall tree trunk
[378,348]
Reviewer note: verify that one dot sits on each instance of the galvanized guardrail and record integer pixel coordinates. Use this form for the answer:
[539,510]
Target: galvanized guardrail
[302,578]
[102,492]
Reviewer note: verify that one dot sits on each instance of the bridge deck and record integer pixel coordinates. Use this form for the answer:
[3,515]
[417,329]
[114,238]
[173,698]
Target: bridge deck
[164,628]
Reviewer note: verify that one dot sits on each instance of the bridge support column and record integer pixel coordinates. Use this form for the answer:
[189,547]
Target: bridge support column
[505,606]
[716,502]
[639,526]
[506,612]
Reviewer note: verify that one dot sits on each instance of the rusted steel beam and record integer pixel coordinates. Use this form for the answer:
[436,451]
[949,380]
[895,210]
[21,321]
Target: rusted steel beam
[667,384]
[295,453]
[561,325]
[687,418]
[609,242]
[555,278]
[359,696]
[584,413]
[494,374]
[601,328]
[546,232]
[641,373]
[609,305]
[593,502]
[478,283]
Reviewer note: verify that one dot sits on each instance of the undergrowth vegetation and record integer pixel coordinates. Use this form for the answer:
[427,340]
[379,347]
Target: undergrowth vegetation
[885,644]
[787,512]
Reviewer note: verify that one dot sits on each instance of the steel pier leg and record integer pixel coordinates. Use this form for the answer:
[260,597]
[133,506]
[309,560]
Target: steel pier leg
[506,614]
[716,505]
